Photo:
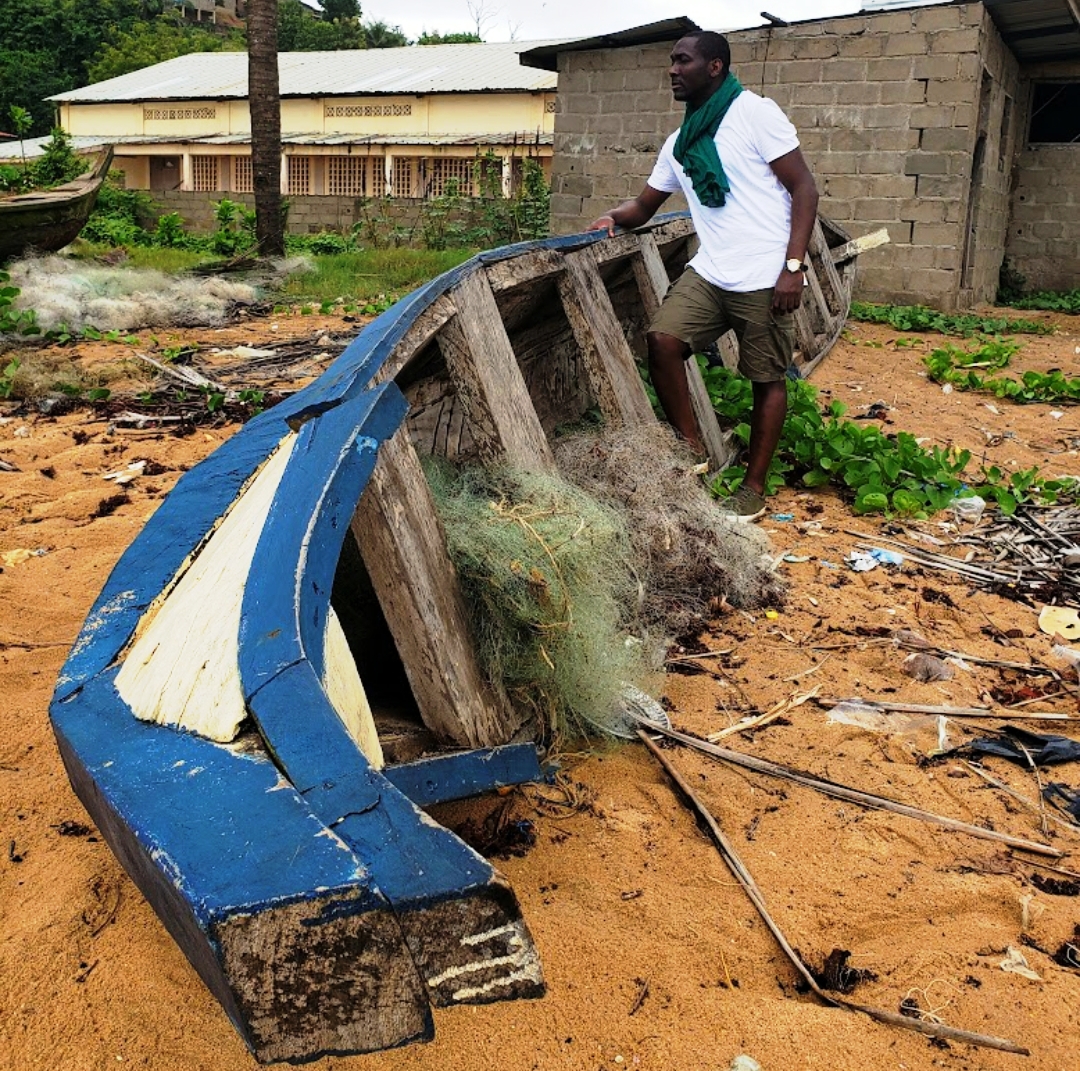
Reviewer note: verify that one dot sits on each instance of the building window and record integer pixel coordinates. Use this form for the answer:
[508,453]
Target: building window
[366,111]
[299,174]
[168,114]
[1055,113]
[376,176]
[449,174]
[346,176]
[204,174]
[241,174]
[404,177]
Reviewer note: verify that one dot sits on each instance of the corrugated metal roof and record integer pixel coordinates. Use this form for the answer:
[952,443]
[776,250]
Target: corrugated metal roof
[1038,29]
[472,68]
[545,54]
[35,147]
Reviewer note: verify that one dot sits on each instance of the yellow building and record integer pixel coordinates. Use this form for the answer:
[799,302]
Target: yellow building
[398,122]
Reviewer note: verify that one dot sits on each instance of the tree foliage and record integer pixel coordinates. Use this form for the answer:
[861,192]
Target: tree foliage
[436,38]
[379,34]
[340,9]
[163,38]
[298,31]
[48,46]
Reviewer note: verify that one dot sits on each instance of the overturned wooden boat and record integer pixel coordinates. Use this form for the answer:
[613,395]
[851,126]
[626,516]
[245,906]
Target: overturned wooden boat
[47,220]
[278,675]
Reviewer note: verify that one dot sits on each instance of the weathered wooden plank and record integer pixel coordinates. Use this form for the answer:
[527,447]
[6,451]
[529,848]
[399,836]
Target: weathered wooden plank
[423,329]
[404,549]
[618,247]
[460,919]
[489,383]
[609,364]
[508,274]
[804,332]
[653,282]
[852,249]
[828,276]
[820,316]
[281,920]
[442,778]
[671,227]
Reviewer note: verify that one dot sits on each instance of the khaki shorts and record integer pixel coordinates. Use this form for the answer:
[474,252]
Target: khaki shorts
[698,313]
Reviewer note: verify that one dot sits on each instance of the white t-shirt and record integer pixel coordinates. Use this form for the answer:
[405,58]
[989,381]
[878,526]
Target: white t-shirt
[744,243]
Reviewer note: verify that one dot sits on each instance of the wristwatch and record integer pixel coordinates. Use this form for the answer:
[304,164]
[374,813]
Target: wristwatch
[795,265]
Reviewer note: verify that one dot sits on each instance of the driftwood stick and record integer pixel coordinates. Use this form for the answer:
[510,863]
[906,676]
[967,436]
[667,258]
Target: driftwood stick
[753,892]
[1020,798]
[950,712]
[865,799]
[185,375]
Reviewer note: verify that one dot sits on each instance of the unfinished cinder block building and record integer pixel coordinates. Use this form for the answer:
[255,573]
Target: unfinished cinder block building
[956,126]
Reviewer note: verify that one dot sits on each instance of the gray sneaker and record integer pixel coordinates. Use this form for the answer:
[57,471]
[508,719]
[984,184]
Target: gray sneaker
[744,505]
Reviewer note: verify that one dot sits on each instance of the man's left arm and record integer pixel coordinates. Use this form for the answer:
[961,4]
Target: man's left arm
[795,176]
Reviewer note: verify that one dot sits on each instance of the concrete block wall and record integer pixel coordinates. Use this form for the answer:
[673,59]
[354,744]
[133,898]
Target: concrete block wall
[308,214]
[1000,128]
[887,113]
[1043,241]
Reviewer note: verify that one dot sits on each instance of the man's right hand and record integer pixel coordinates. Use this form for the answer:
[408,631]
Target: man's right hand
[603,223]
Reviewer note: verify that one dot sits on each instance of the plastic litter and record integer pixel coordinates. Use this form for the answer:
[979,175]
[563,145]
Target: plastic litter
[1017,745]
[783,517]
[926,668]
[1060,621]
[862,561]
[896,723]
[969,509]
[1015,963]
[1068,654]
[17,557]
[742,1062]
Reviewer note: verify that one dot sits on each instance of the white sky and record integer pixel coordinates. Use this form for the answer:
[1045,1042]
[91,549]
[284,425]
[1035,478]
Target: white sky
[533,20]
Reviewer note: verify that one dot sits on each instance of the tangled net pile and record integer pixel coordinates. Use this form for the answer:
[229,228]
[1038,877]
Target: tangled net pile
[688,555]
[568,580]
[543,570]
[78,294]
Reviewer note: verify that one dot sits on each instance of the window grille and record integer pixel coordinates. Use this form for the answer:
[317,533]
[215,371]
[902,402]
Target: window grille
[241,174]
[158,114]
[446,173]
[346,175]
[404,176]
[299,174]
[365,111]
[204,173]
[376,176]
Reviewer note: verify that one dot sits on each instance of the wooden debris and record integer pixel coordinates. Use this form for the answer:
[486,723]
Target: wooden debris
[860,245]
[750,887]
[948,711]
[771,715]
[1025,556]
[866,799]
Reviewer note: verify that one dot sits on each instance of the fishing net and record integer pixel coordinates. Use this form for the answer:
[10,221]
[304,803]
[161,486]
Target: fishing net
[573,582]
[689,557]
[545,571]
[77,294]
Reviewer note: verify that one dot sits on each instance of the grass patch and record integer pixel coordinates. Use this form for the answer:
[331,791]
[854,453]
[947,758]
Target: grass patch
[170,261]
[921,318]
[366,276]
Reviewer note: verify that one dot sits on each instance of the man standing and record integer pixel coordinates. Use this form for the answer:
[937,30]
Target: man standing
[736,159]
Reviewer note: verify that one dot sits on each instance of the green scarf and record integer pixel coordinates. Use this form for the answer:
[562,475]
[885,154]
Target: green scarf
[695,147]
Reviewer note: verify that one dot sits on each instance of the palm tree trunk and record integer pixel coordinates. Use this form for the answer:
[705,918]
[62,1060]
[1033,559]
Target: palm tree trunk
[265,106]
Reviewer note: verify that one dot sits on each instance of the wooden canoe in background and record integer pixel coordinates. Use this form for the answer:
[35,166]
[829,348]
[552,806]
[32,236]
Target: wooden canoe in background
[241,707]
[47,220]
